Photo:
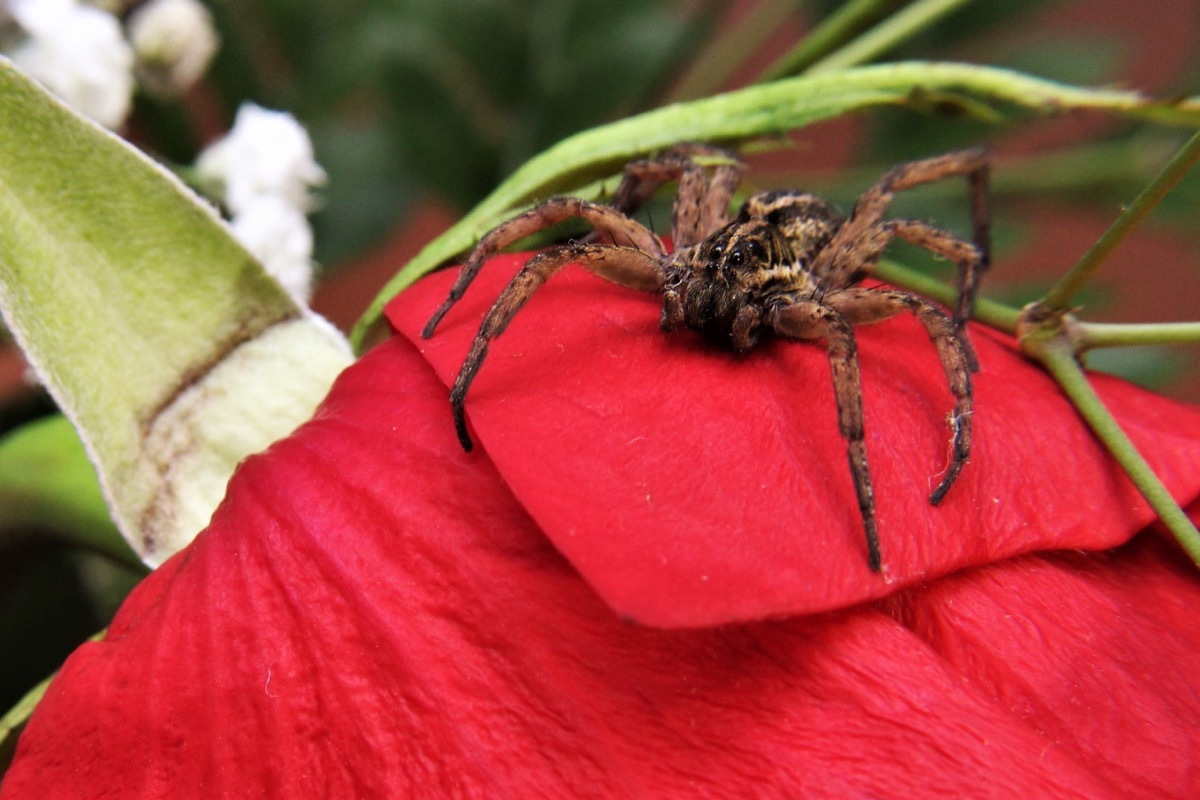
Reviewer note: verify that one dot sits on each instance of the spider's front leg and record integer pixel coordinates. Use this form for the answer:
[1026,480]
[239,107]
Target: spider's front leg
[809,319]
[626,266]
[605,220]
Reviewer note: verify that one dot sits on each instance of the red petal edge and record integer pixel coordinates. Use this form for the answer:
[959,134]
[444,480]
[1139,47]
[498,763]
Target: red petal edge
[372,614]
[691,486]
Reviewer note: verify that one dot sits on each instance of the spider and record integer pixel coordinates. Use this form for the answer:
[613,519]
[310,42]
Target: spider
[786,265]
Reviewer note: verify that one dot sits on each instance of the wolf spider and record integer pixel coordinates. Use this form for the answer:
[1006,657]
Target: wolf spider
[786,265]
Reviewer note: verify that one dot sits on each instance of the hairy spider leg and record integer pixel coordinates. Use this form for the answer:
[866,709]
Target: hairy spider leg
[937,241]
[810,319]
[605,219]
[701,203]
[624,266]
[839,264]
[865,306]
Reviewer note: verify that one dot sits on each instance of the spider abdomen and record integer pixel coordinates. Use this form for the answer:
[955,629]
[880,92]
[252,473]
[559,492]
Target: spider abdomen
[807,221]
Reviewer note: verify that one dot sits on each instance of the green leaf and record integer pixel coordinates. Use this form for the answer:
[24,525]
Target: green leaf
[48,484]
[159,336]
[767,110]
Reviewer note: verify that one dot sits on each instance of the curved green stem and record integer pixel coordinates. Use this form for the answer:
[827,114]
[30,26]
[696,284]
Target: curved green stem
[1056,353]
[1059,297]
[14,720]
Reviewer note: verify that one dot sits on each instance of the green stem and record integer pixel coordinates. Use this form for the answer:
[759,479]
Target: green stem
[1059,297]
[1056,354]
[13,722]
[1097,334]
[830,34]
[712,68]
[989,312]
[886,35]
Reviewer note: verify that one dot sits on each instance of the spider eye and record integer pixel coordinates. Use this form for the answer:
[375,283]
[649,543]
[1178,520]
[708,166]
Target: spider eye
[737,256]
[716,252]
[756,250]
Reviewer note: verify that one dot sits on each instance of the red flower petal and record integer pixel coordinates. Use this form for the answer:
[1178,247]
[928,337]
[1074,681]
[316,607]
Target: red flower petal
[691,486]
[1094,651]
[372,614]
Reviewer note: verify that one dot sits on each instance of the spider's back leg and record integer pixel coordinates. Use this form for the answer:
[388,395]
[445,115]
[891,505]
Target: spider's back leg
[609,221]
[970,261]
[701,203]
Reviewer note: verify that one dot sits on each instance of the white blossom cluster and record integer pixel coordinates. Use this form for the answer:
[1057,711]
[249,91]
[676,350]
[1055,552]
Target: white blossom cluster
[264,171]
[81,53]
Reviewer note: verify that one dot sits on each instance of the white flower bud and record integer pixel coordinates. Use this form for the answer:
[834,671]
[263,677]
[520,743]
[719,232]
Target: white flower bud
[76,51]
[266,170]
[174,41]
[266,153]
[278,235]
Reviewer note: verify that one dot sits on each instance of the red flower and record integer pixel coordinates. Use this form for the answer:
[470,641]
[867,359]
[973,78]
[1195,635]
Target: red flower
[373,612]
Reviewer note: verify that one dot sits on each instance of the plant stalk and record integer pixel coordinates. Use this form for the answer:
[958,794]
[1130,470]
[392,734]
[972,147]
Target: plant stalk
[1059,297]
[1056,353]
[886,35]
[1097,334]
[829,34]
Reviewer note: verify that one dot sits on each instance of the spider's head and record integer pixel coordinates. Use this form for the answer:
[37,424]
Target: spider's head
[737,255]
[730,273]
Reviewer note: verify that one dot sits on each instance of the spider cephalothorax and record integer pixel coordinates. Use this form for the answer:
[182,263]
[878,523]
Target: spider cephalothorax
[786,265]
[725,285]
